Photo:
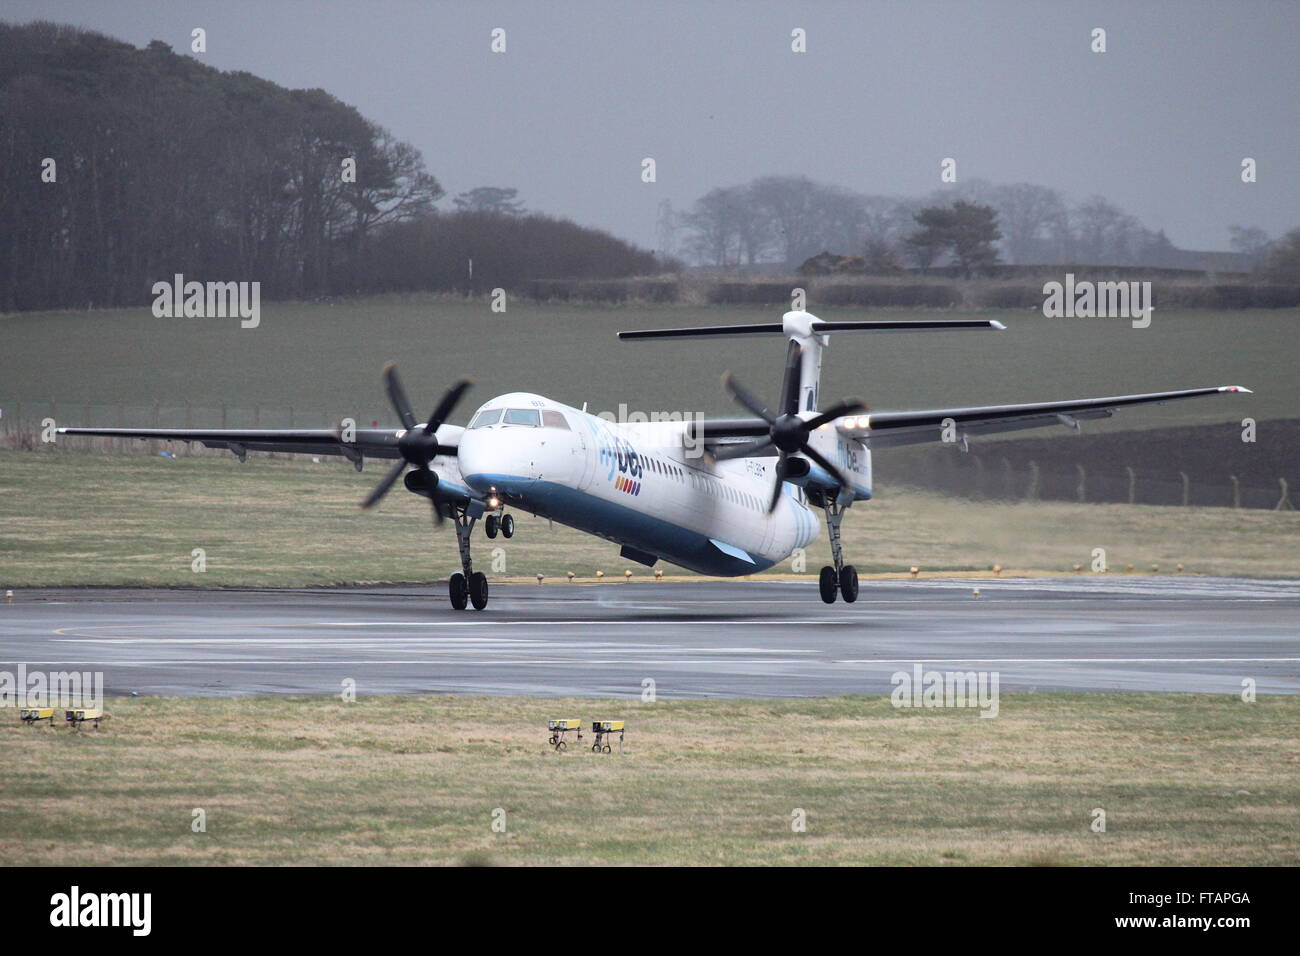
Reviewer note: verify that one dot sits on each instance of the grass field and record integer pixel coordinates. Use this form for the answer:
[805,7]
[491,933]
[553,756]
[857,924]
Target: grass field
[1183,780]
[68,518]
[324,359]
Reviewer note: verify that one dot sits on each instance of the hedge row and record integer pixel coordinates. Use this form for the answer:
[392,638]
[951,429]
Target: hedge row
[1024,294]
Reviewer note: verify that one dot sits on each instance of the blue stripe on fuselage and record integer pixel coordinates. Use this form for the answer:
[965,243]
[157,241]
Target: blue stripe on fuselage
[607,519]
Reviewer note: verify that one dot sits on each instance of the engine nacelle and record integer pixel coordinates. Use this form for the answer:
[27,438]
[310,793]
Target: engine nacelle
[421,482]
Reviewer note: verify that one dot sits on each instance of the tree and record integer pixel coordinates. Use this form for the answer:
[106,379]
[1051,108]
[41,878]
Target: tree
[1103,233]
[1283,262]
[1030,217]
[965,230]
[793,207]
[493,200]
[1252,242]
[165,165]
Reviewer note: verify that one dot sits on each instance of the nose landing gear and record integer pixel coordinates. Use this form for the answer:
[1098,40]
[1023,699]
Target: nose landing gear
[842,579]
[470,587]
[504,523]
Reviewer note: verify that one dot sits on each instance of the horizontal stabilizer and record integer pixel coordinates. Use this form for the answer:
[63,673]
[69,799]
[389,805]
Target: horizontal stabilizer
[816,326]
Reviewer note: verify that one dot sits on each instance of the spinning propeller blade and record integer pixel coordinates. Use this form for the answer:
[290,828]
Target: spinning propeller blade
[419,444]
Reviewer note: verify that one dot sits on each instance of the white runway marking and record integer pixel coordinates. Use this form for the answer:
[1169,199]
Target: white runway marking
[1074,660]
[640,661]
[442,662]
[415,644]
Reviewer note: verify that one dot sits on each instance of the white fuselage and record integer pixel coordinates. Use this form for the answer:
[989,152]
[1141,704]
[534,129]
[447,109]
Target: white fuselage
[645,486]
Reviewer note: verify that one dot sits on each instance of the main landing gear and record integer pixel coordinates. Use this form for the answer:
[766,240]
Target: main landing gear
[471,587]
[841,579]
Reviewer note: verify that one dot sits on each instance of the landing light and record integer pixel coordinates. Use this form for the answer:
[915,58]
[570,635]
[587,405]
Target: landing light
[494,502]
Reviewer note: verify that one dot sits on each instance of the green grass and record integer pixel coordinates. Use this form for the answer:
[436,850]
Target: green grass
[68,518]
[324,359]
[1185,780]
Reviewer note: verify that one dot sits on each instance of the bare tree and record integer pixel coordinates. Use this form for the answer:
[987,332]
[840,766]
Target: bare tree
[1252,242]
[495,200]
[1029,216]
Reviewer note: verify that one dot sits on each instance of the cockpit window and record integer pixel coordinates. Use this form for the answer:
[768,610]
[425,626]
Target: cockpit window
[553,419]
[523,416]
[489,416]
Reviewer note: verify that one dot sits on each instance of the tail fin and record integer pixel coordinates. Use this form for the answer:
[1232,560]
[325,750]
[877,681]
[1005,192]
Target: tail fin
[806,329]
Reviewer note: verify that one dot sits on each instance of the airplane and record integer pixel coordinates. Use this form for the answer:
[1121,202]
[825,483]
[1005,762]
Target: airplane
[724,497]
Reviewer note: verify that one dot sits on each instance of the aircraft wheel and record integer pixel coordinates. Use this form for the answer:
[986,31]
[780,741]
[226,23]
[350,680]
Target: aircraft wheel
[478,590]
[459,592]
[561,746]
[490,526]
[829,584]
[508,525]
[849,583]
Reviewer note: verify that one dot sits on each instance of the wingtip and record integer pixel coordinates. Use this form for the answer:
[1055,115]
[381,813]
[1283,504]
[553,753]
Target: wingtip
[994,323]
[1236,388]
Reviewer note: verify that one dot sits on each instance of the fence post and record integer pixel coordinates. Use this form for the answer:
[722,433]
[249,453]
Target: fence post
[1187,489]
[1032,493]
[1236,491]
[1082,490]
[1132,484]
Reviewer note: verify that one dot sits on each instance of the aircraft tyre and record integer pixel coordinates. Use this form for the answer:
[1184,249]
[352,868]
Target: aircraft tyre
[478,590]
[459,591]
[849,583]
[829,584]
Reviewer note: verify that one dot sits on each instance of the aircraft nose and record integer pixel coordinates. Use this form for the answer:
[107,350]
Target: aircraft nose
[495,460]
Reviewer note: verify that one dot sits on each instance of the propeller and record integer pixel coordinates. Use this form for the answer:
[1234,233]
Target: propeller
[419,443]
[787,432]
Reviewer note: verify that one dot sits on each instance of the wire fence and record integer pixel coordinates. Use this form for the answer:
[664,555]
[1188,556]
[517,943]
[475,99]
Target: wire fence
[974,476]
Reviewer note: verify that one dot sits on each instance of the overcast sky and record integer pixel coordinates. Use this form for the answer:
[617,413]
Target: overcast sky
[1158,124]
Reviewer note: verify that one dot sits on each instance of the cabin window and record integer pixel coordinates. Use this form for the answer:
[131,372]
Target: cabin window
[553,419]
[523,416]
[489,416]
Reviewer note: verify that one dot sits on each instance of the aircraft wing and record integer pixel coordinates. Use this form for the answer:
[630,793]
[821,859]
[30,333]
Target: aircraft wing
[890,429]
[368,443]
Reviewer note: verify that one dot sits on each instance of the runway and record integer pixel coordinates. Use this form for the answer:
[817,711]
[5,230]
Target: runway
[732,639]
